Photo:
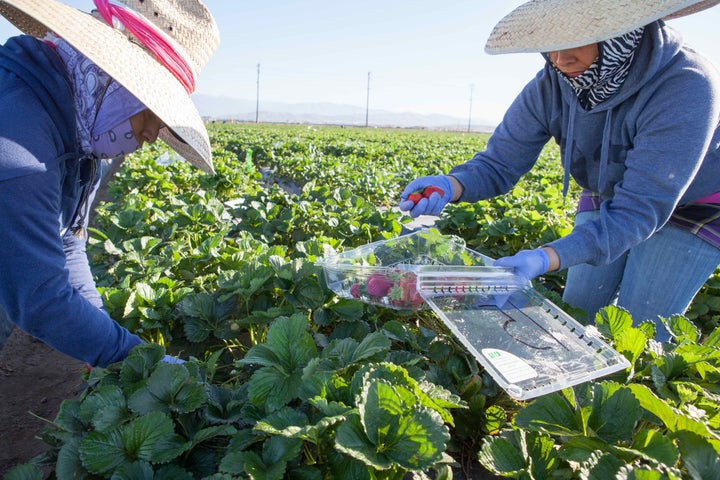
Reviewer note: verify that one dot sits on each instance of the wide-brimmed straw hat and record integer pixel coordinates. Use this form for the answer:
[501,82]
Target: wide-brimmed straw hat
[183,27]
[551,25]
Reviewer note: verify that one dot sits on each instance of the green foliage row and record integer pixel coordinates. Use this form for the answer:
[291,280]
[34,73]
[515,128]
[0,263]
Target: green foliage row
[286,380]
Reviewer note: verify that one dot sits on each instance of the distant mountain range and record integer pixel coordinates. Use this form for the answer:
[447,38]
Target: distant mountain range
[227,108]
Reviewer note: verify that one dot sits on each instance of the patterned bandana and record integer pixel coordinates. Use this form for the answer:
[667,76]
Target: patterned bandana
[119,140]
[606,75]
[101,104]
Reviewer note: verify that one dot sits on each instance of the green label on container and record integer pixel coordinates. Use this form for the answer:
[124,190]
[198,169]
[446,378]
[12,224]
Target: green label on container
[512,368]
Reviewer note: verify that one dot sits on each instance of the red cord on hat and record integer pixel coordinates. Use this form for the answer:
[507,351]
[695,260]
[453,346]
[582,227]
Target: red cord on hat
[152,38]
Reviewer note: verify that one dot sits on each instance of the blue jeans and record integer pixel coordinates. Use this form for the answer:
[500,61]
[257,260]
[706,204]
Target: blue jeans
[658,277]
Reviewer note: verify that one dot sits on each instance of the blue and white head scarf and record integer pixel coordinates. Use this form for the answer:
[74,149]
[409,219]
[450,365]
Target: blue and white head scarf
[606,75]
[103,107]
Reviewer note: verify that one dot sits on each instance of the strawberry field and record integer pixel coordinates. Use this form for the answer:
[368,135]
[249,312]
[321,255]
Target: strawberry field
[285,379]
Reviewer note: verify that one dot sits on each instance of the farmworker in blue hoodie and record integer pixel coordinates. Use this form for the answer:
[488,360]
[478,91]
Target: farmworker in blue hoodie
[79,88]
[635,112]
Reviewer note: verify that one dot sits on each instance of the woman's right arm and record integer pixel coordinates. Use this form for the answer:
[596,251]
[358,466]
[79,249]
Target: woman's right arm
[35,289]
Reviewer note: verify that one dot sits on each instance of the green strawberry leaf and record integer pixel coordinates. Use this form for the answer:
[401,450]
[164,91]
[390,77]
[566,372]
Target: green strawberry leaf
[615,412]
[699,457]
[613,320]
[393,428]
[682,329]
[105,407]
[169,388]
[657,446]
[502,456]
[551,414]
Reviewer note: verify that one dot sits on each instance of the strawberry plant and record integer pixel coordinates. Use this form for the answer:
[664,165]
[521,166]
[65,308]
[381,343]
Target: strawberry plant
[340,411]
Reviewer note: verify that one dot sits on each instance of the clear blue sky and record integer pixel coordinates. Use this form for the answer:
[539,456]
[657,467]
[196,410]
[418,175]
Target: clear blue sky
[423,56]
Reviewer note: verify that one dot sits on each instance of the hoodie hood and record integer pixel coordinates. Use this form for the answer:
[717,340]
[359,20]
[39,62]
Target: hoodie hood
[660,44]
[40,68]
[32,74]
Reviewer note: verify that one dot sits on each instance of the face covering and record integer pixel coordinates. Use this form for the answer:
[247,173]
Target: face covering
[606,75]
[117,141]
[112,134]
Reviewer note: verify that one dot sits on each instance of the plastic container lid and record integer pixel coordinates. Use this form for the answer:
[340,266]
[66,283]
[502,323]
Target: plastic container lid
[528,345]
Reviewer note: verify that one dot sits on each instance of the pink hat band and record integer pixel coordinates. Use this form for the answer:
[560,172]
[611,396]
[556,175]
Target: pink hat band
[151,37]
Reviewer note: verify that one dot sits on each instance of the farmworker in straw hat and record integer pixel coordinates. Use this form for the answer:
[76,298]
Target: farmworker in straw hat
[77,89]
[635,112]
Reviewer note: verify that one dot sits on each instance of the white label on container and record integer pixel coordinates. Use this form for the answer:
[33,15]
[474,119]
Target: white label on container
[512,368]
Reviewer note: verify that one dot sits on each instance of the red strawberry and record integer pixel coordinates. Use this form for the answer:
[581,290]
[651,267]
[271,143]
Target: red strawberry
[404,293]
[355,290]
[409,286]
[378,285]
[415,197]
[432,189]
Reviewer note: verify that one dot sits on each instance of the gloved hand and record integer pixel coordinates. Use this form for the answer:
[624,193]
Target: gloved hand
[527,263]
[426,195]
[172,360]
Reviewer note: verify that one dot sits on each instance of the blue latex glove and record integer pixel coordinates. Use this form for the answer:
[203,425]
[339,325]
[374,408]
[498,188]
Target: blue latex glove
[432,205]
[171,360]
[527,263]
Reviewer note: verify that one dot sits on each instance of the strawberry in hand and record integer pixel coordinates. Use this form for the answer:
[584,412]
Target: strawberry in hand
[419,197]
[432,189]
[415,197]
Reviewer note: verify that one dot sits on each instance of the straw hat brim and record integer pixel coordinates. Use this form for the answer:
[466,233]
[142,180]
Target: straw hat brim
[128,63]
[551,25]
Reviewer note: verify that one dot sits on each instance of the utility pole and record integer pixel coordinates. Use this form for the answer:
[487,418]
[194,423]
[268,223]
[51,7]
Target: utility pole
[472,87]
[367,102]
[257,96]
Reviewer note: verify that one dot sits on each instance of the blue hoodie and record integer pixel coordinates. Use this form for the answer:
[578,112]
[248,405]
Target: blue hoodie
[653,146]
[46,287]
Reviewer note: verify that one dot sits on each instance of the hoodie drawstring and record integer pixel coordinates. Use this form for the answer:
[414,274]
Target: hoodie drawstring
[605,150]
[567,154]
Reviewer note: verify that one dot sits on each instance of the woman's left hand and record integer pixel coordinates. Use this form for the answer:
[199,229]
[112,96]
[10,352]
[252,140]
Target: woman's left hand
[426,195]
[527,263]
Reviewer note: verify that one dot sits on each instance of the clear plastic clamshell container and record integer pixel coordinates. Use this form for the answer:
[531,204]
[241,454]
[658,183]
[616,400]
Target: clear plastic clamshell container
[529,345]
[386,273]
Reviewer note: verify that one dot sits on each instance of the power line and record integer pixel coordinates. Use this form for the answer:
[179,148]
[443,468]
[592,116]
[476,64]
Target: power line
[472,87]
[257,95]
[367,102]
